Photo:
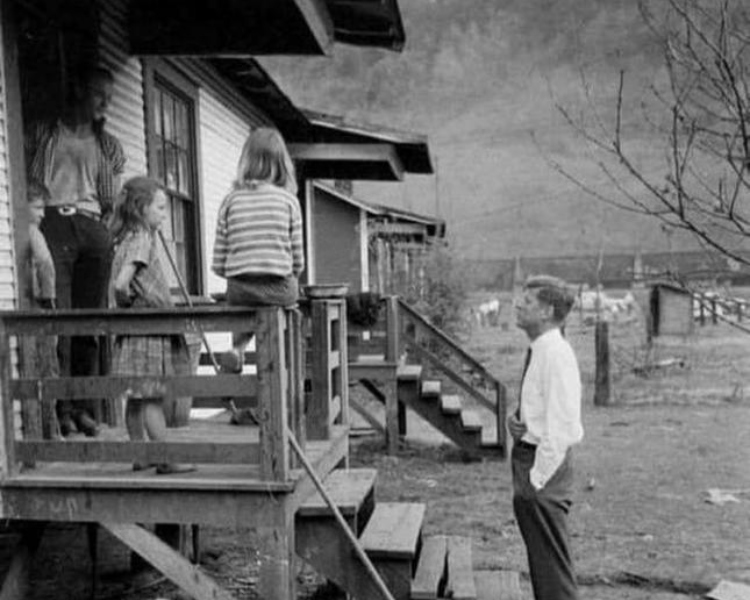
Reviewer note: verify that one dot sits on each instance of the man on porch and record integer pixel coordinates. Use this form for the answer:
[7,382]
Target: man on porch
[80,164]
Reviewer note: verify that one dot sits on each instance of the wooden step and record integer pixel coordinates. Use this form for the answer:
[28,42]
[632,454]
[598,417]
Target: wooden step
[450,404]
[470,420]
[429,580]
[431,388]
[394,530]
[348,488]
[497,585]
[460,581]
[409,372]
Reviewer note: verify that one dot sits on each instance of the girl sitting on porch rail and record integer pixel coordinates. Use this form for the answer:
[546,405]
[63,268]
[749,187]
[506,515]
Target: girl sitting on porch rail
[258,246]
[138,281]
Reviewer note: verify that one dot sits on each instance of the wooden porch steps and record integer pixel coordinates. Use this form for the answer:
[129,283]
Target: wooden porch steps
[444,570]
[498,585]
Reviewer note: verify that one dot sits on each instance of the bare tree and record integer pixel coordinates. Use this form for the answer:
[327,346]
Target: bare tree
[702,121]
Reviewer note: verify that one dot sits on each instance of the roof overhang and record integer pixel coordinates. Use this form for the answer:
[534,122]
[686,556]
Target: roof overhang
[342,149]
[379,162]
[261,27]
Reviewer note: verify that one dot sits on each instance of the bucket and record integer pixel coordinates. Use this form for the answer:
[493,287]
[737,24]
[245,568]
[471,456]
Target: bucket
[177,410]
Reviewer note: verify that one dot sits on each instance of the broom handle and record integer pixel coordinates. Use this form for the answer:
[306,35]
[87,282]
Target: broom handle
[186,295]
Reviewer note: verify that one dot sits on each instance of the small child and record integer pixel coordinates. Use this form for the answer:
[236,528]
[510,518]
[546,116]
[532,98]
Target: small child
[258,246]
[138,280]
[41,287]
[40,353]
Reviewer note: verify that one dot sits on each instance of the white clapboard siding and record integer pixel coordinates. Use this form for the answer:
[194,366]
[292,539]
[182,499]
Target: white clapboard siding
[222,134]
[126,116]
[8,280]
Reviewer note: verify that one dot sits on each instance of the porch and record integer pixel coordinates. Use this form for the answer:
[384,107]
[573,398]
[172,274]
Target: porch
[246,476]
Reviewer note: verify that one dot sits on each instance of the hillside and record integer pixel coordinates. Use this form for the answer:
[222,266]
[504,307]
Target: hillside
[482,79]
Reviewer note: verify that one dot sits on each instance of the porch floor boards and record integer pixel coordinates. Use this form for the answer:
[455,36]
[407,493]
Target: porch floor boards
[57,491]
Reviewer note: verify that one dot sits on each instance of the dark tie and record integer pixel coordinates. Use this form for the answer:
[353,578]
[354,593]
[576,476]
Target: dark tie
[526,362]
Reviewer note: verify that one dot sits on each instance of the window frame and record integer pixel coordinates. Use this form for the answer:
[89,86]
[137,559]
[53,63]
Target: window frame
[158,72]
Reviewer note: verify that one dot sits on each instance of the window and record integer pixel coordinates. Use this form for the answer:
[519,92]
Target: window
[172,155]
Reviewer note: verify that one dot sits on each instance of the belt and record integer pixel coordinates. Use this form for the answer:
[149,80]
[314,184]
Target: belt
[68,210]
[525,445]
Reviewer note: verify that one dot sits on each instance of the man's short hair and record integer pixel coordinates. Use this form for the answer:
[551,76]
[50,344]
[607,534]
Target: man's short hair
[554,292]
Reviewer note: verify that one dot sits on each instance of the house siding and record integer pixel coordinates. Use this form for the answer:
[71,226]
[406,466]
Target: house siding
[126,117]
[8,284]
[336,228]
[222,132]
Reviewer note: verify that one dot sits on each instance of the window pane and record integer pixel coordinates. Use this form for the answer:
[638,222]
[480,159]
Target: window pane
[158,122]
[182,169]
[159,158]
[168,103]
[170,179]
[182,131]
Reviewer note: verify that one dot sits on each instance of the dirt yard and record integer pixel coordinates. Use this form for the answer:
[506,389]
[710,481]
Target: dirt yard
[645,525]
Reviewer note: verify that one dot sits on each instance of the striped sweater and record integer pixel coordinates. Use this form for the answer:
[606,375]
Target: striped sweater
[259,232]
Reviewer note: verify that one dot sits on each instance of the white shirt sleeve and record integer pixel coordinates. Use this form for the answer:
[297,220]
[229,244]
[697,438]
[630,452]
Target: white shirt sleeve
[561,388]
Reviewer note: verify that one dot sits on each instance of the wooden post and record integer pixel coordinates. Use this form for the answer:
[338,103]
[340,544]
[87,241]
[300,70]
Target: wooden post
[702,312]
[714,314]
[319,408]
[391,387]
[501,397]
[295,357]
[603,387]
[16,582]
[740,307]
[277,554]
[343,369]
[8,465]
[272,394]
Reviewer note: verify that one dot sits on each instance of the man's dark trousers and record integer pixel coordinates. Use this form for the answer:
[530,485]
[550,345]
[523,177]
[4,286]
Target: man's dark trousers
[82,252]
[542,519]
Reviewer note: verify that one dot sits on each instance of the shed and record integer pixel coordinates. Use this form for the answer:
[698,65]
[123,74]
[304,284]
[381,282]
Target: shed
[670,309]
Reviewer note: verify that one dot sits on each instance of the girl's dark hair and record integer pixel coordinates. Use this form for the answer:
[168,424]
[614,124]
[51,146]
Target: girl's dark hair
[130,206]
[36,190]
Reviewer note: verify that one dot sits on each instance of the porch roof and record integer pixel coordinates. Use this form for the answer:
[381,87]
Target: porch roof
[338,148]
[243,28]
[434,226]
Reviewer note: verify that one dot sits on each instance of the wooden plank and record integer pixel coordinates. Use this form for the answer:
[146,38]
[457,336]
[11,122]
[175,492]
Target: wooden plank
[275,541]
[176,567]
[431,568]
[460,584]
[16,582]
[133,321]
[431,388]
[151,452]
[348,489]
[272,394]
[497,585]
[470,420]
[8,465]
[318,409]
[210,386]
[393,530]
[367,416]
[450,404]
[409,372]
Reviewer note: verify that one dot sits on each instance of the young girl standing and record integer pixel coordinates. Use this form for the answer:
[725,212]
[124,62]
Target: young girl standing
[138,281]
[258,246]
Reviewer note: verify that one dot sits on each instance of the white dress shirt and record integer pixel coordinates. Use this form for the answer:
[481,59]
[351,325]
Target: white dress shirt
[551,404]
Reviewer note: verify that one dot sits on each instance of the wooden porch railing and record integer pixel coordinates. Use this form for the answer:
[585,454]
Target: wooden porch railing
[275,391]
[442,352]
[401,329]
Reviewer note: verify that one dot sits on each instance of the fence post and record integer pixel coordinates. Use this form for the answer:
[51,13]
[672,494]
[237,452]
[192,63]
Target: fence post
[602,387]
[392,344]
[272,395]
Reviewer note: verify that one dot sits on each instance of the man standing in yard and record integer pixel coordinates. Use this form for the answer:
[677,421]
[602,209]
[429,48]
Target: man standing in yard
[544,428]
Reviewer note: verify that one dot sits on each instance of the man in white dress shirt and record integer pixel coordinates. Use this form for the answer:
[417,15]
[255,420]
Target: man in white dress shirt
[544,428]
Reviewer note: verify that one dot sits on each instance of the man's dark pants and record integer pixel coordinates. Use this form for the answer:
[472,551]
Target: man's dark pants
[81,249]
[542,519]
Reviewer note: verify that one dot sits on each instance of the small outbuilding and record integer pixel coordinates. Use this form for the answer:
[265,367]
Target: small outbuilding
[670,309]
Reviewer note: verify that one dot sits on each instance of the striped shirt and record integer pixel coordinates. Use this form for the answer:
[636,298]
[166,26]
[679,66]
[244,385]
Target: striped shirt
[41,146]
[259,232]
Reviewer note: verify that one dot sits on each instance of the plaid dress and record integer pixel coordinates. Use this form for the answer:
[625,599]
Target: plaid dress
[146,354]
